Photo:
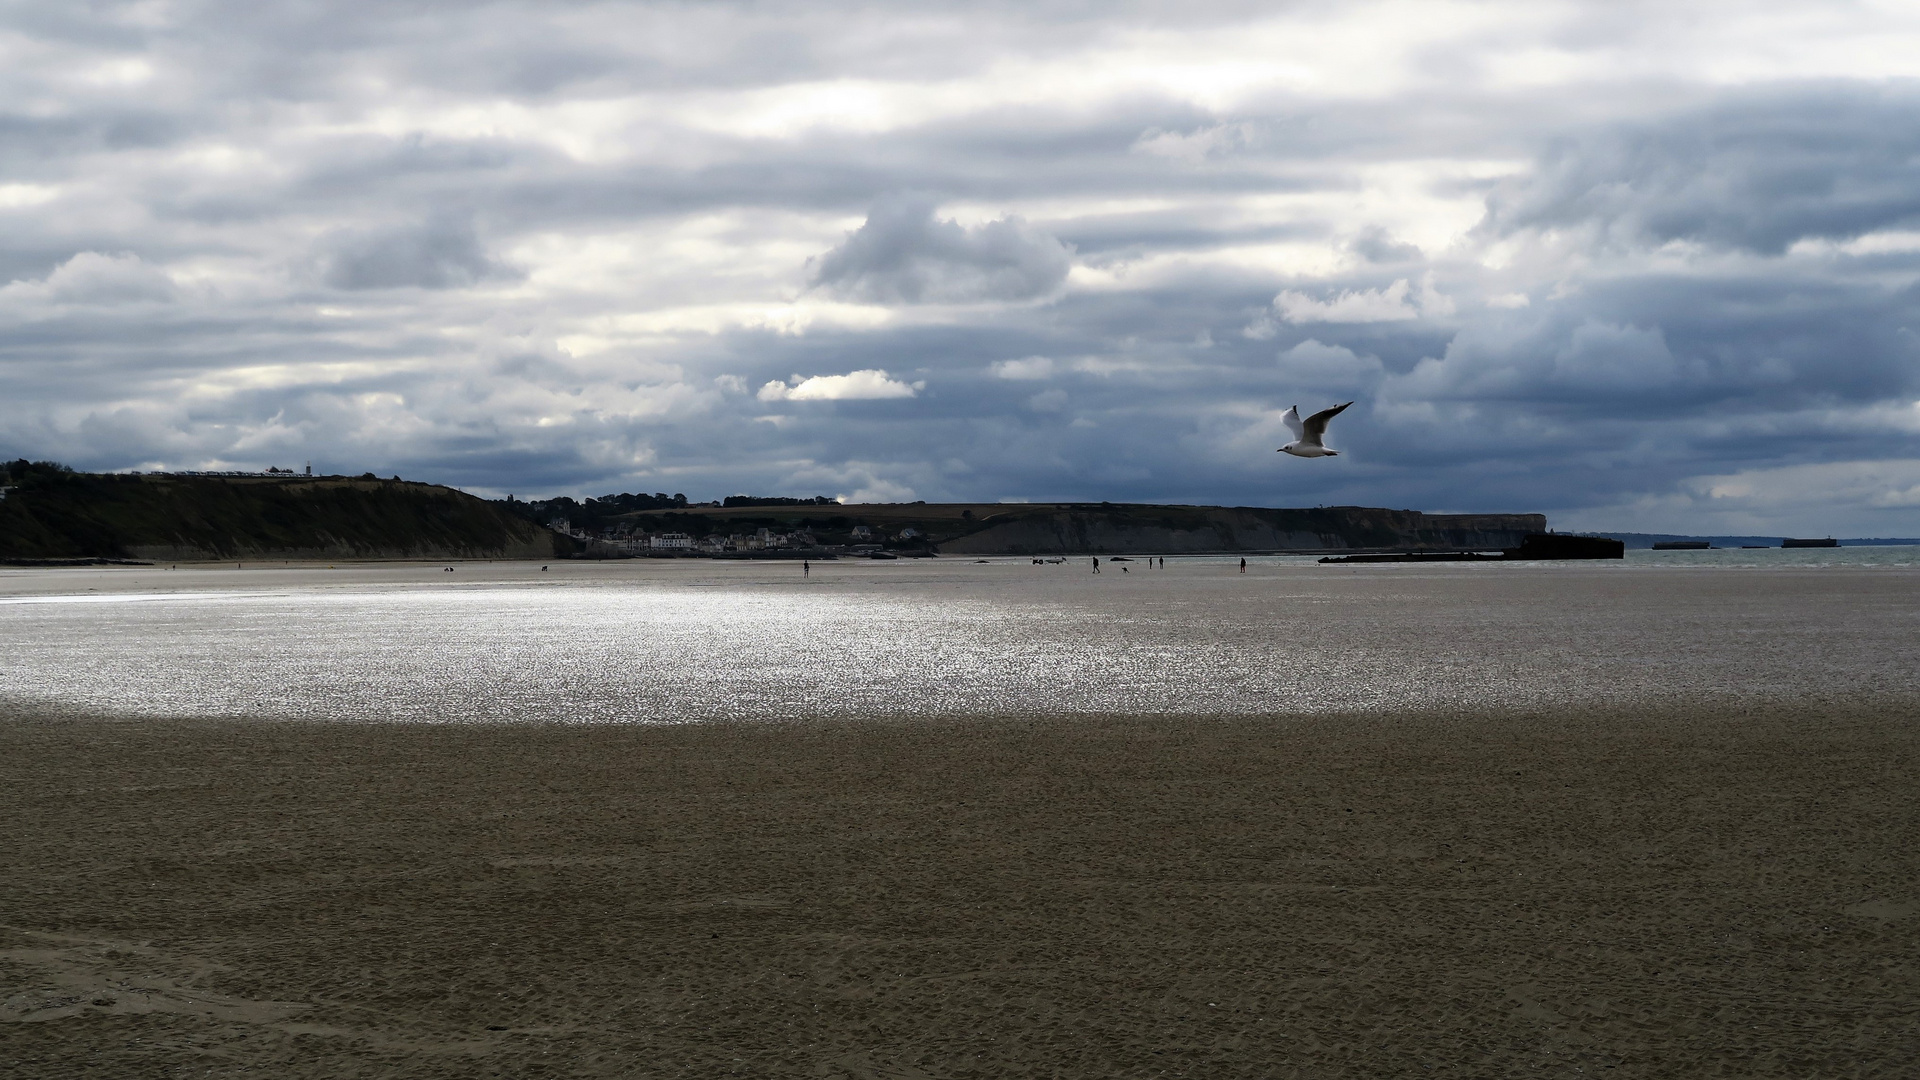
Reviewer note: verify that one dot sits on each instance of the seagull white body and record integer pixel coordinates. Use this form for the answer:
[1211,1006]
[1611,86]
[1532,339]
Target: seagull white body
[1308,433]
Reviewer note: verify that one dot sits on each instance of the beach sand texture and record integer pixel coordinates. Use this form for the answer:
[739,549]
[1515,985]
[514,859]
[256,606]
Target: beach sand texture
[1618,892]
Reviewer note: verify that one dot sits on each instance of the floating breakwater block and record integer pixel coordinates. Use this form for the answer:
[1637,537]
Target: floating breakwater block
[1560,546]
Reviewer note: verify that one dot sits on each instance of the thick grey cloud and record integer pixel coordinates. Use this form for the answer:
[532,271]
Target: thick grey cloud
[1759,170]
[1376,245]
[904,254]
[441,253]
[568,248]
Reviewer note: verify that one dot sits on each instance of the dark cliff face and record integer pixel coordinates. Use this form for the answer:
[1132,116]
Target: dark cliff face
[1109,528]
[1106,528]
[1173,530]
[70,515]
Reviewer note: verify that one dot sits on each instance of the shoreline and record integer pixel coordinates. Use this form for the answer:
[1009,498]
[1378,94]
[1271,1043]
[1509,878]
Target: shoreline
[1665,892]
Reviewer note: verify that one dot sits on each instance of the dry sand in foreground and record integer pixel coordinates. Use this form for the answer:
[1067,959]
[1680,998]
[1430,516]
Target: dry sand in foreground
[1518,896]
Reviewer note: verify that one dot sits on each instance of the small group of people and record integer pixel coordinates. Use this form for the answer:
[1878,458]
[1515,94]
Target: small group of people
[1150,562]
[1150,559]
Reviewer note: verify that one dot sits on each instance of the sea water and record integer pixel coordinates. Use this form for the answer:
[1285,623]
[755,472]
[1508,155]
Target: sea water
[693,640]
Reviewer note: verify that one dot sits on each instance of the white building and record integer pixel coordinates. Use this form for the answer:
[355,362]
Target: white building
[670,541]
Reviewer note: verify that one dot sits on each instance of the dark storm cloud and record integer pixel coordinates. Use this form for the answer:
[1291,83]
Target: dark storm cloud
[904,254]
[1660,347]
[1760,170]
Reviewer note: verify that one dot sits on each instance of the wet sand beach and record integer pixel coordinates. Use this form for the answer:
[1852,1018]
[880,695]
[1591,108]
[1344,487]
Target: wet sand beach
[695,640]
[961,820]
[1624,893]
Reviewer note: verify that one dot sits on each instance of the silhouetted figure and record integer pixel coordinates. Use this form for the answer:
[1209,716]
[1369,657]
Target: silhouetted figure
[806,568]
[1243,566]
[1096,564]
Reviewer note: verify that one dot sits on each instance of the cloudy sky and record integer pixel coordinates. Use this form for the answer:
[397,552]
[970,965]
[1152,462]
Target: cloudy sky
[1638,266]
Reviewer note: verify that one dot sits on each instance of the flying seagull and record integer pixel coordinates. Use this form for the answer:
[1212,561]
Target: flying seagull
[1308,433]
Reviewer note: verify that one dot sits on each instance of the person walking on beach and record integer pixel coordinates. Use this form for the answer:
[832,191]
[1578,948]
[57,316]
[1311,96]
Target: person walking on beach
[1243,566]
[1096,564]
[806,568]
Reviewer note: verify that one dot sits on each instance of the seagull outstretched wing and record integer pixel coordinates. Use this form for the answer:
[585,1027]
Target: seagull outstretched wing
[1292,419]
[1316,425]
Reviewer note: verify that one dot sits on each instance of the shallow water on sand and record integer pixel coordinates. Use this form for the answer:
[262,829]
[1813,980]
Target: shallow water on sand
[676,641]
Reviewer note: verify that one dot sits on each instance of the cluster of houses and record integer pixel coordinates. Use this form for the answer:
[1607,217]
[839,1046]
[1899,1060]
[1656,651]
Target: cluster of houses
[623,538]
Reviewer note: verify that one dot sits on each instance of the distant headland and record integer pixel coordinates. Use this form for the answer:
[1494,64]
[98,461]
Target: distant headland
[769,528]
[52,513]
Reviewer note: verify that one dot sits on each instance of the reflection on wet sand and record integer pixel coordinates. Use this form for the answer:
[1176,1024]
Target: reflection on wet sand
[677,641]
